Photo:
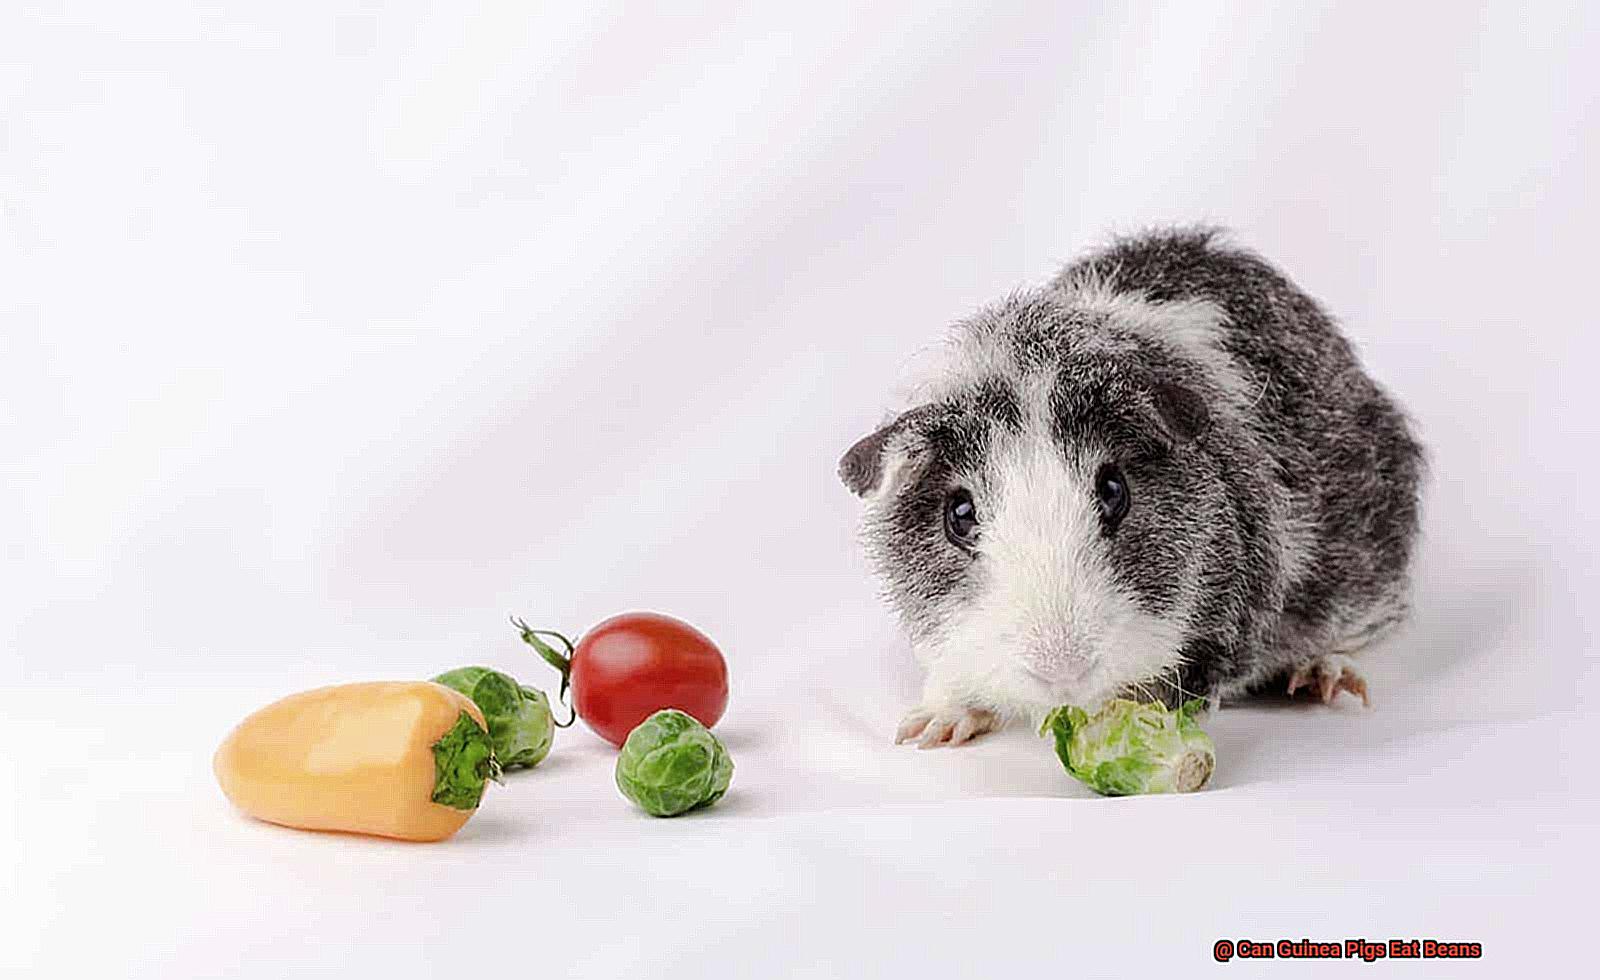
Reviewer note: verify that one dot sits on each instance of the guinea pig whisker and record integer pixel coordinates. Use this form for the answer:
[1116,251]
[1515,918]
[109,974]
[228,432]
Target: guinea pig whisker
[1176,684]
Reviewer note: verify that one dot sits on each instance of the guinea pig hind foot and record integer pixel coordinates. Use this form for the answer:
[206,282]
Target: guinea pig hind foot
[945,727]
[1328,675]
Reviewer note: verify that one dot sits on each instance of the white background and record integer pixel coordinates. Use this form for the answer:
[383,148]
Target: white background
[332,333]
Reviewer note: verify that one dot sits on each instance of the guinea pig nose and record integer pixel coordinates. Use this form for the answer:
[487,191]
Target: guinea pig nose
[1057,666]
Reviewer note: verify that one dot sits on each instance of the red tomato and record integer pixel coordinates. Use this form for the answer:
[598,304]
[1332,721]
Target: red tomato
[629,667]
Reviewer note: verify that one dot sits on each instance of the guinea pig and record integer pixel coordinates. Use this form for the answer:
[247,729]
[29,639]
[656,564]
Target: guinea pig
[1162,475]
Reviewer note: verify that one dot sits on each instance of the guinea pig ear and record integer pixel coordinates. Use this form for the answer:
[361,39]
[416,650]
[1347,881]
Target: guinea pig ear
[1183,412]
[863,464]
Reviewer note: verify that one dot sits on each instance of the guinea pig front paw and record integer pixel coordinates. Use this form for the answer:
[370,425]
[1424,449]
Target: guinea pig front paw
[948,726]
[1329,674]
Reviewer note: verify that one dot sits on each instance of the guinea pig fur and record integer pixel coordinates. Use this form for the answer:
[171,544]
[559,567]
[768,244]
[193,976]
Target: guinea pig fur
[1162,475]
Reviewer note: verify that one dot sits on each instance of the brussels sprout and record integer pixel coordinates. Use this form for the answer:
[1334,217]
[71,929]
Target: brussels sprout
[671,764]
[520,724]
[1127,747]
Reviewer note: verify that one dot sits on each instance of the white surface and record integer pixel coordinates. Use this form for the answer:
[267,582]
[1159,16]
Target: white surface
[330,336]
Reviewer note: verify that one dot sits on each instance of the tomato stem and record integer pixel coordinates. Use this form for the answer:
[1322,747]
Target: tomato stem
[553,657]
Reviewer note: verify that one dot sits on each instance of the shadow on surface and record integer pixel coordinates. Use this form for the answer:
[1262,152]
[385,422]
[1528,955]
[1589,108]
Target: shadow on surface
[1467,606]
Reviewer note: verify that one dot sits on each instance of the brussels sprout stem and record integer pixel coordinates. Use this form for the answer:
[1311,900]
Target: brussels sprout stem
[553,657]
[1191,771]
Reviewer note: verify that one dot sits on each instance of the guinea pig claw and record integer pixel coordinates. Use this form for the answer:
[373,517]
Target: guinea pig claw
[955,727]
[972,724]
[911,726]
[1354,683]
[1330,674]
[936,734]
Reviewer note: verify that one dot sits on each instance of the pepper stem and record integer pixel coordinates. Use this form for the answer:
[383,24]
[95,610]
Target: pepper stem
[553,657]
[463,759]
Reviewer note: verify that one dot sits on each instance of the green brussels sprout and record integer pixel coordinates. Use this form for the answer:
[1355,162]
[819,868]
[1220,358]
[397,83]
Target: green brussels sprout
[521,727]
[671,764]
[1128,747]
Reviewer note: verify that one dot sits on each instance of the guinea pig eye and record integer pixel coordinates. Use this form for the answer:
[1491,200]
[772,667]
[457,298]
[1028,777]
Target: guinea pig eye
[1111,490]
[960,519]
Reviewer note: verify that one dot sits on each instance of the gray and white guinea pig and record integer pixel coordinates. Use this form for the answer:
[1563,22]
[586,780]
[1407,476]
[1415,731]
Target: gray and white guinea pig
[1163,475]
